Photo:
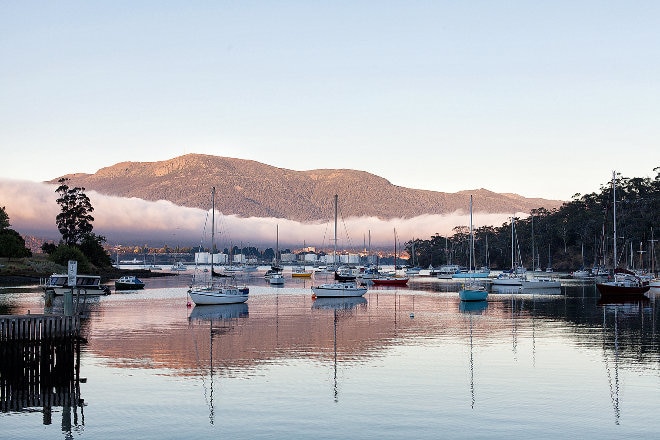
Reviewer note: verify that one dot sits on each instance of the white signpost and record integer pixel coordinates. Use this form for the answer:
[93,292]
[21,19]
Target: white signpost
[73,272]
[68,296]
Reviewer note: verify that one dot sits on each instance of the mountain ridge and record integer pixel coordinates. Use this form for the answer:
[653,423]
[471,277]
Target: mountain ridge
[248,188]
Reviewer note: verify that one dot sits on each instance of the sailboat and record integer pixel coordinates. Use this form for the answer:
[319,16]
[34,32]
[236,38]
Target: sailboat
[472,291]
[301,272]
[625,283]
[338,289]
[391,280]
[472,272]
[516,275]
[276,277]
[208,293]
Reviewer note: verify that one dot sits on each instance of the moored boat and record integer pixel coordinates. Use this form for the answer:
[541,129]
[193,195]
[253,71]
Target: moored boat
[625,283]
[472,291]
[508,279]
[541,283]
[395,280]
[179,267]
[209,293]
[472,274]
[85,285]
[346,273]
[300,272]
[276,279]
[581,274]
[447,271]
[338,290]
[214,295]
[129,282]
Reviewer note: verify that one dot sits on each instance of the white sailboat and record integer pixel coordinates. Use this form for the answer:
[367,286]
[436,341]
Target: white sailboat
[338,289]
[276,277]
[517,274]
[472,291]
[208,293]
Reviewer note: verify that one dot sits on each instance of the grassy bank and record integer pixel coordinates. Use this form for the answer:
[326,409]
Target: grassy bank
[32,269]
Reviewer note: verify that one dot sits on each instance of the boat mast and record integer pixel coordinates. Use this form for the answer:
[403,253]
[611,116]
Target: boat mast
[614,215]
[652,253]
[471,238]
[533,249]
[395,251]
[512,249]
[334,254]
[212,228]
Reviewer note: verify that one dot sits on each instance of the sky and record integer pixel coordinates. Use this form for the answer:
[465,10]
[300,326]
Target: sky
[542,99]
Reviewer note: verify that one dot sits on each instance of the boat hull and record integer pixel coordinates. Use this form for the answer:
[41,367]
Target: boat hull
[612,289]
[541,284]
[338,290]
[508,281]
[203,297]
[129,286]
[473,294]
[89,291]
[390,281]
[129,282]
[470,275]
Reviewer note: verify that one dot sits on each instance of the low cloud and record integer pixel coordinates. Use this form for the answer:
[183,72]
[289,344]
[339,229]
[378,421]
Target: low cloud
[32,209]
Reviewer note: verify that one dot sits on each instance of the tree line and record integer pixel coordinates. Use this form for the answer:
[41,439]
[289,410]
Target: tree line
[579,233]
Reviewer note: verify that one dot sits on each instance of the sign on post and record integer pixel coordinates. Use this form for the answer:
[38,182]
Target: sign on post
[73,272]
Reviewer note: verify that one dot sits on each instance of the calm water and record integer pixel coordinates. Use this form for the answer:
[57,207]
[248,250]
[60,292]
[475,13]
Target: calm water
[400,363]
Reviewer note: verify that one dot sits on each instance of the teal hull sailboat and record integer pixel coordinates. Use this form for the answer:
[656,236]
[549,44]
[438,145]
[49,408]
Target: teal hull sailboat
[472,291]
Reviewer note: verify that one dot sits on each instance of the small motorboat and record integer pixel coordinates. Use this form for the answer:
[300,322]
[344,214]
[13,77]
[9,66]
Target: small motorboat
[129,282]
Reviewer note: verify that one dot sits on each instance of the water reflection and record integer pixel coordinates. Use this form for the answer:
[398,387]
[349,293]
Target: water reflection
[220,320]
[282,352]
[471,308]
[342,308]
[621,335]
[43,374]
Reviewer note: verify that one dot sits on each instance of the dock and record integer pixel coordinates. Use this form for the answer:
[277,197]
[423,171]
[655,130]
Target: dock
[38,327]
[40,364]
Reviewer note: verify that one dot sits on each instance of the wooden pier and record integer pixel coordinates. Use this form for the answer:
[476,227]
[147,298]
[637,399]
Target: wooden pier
[38,327]
[40,364]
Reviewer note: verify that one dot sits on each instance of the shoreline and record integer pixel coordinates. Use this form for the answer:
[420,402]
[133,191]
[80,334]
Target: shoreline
[31,270]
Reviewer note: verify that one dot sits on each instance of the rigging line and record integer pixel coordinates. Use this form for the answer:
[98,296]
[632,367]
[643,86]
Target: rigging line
[348,237]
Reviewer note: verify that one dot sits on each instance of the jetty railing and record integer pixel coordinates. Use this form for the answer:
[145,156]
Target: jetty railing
[40,365]
[38,327]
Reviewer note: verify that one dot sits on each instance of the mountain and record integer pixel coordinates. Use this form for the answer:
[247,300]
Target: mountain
[251,189]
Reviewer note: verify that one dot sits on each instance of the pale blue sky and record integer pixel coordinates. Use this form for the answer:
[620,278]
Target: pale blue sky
[543,99]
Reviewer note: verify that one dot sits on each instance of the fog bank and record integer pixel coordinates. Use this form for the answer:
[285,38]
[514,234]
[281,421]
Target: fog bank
[32,209]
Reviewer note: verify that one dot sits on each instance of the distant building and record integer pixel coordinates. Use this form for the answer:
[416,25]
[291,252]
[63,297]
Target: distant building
[205,258]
